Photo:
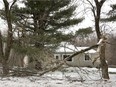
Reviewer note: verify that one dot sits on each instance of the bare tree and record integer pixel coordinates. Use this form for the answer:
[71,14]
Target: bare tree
[96,9]
[9,40]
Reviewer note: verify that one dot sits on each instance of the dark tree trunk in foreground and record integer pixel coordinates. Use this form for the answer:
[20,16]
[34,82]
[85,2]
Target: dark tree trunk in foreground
[1,48]
[9,39]
[2,58]
[104,65]
[97,12]
[5,67]
[5,56]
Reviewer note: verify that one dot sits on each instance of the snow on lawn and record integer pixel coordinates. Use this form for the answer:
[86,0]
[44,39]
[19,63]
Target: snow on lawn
[112,70]
[70,77]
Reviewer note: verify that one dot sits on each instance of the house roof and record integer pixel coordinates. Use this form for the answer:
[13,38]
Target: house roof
[64,47]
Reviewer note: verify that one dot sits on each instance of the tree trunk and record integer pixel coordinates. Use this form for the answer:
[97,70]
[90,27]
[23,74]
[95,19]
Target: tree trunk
[1,48]
[97,13]
[5,67]
[9,36]
[3,61]
[104,65]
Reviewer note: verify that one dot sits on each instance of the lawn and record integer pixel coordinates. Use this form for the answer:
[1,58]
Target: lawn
[70,77]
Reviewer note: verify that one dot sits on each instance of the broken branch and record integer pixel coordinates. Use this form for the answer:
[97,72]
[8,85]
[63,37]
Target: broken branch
[60,65]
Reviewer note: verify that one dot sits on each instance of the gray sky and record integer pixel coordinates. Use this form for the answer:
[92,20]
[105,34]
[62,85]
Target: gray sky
[88,22]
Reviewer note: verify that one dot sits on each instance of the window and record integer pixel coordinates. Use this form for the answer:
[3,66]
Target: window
[87,57]
[57,57]
[65,56]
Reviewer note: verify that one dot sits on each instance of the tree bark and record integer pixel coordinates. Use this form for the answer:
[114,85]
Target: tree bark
[5,67]
[104,65]
[10,33]
[9,36]
[1,48]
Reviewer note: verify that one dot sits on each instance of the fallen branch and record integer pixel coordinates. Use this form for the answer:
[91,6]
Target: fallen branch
[60,65]
[52,69]
[82,51]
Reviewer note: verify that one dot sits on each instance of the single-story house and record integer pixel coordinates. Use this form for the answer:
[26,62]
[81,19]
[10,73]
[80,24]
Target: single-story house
[87,59]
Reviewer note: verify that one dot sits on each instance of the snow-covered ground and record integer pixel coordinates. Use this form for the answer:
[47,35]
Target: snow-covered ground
[71,77]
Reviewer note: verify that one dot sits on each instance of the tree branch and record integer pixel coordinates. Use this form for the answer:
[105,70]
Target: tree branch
[60,65]
[6,4]
[93,8]
[13,4]
[82,51]
[102,1]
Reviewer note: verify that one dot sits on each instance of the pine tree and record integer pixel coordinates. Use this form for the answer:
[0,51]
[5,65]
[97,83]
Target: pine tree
[41,23]
[111,14]
[84,32]
[46,20]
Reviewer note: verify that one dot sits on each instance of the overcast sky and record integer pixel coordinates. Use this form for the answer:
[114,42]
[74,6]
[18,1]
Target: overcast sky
[88,22]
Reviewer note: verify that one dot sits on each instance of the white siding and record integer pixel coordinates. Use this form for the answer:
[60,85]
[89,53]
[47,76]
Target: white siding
[80,61]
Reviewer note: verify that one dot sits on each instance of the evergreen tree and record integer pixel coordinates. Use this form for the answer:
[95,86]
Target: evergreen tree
[40,23]
[46,20]
[111,14]
[84,32]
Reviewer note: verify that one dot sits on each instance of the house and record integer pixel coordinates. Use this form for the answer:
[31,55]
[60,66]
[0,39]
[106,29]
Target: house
[87,59]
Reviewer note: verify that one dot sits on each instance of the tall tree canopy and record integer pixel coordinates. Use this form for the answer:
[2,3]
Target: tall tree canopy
[40,23]
[45,20]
